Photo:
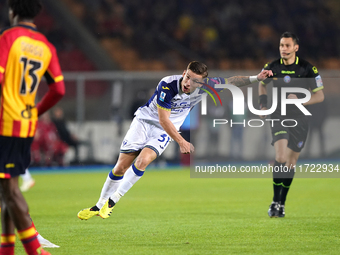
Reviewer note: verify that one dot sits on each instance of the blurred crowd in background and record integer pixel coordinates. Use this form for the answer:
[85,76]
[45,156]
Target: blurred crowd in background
[233,34]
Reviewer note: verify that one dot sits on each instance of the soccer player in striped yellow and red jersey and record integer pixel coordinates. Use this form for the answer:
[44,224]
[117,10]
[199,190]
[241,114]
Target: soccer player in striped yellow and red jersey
[25,57]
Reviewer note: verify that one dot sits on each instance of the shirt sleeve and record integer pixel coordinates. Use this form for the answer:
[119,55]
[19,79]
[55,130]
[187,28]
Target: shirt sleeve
[315,81]
[165,93]
[53,73]
[56,88]
[210,83]
[5,47]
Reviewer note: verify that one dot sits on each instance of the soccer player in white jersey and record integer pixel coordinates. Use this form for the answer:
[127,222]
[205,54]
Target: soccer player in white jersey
[154,126]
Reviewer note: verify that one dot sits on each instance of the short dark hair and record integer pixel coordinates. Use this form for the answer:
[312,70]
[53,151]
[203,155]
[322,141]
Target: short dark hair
[198,68]
[26,9]
[290,35]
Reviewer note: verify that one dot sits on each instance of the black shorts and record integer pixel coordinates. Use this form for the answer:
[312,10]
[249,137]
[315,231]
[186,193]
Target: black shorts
[15,156]
[296,136]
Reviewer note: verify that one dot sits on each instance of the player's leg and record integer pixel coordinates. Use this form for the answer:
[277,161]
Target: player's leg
[297,139]
[16,211]
[8,234]
[280,161]
[135,172]
[132,144]
[292,158]
[131,176]
[115,177]
[111,184]
[157,142]
[17,152]
[280,138]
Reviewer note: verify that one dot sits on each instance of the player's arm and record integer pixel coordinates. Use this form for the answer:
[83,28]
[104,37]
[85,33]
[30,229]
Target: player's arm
[316,97]
[5,48]
[56,86]
[240,81]
[262,90]
[55,92]
[263,97]
[170,129]
[316,87]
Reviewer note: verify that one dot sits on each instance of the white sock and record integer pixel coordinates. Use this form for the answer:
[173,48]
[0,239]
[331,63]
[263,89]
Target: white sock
[109,187]
[130,178]
[26,176]
[116,196]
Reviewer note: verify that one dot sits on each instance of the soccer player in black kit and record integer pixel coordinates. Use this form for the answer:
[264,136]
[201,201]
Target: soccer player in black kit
[289,71]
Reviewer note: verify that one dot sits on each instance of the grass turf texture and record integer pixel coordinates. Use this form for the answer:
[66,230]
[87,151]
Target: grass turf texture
[166,212]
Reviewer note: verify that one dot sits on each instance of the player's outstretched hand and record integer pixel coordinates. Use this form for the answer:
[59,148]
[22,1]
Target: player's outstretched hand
[264,74]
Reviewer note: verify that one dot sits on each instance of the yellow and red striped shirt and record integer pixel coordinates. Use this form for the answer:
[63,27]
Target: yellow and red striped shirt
[25,56]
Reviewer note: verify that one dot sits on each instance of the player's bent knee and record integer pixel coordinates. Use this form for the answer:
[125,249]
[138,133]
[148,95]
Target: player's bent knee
[122,166]
[143,162]
[120,170]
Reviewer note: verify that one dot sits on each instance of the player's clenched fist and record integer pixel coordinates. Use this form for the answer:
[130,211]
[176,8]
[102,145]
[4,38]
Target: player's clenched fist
[186,147]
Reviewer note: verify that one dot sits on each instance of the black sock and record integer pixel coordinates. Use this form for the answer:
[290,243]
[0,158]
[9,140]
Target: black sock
[94,208]
[286,182]
[277,182]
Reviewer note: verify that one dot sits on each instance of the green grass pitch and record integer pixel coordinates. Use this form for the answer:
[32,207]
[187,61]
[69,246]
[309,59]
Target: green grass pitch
[167,212]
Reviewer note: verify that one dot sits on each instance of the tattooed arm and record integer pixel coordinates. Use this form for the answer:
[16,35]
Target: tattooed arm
[240,81]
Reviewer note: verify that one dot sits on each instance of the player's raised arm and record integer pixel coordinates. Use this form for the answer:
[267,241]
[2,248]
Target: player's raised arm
[240,81]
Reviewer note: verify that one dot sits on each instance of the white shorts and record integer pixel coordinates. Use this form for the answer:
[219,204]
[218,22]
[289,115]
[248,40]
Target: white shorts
[142,134]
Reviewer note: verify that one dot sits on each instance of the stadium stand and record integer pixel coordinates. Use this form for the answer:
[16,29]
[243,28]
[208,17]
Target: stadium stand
[226,34]
[66,48]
